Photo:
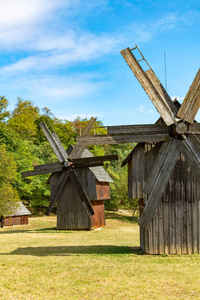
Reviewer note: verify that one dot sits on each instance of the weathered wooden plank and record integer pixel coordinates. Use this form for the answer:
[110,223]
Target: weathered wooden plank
[53,141]
[164,109]
[190,147]
[194,128]
[43,169]
[57,190]
[81,192]
[121,139]
[158,169]
[93,159]
[191,103]
[78,149]
[163,93]
[179,206]
[138,129]
[163,170]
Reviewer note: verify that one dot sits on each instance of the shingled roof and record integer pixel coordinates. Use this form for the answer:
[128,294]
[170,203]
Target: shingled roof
[99,172]
[21,210]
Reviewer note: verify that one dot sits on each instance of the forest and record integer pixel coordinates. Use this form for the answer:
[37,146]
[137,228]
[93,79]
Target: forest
[23,145]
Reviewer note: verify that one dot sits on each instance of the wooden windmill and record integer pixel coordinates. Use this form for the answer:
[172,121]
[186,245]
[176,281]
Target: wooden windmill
[66,170]
[178,134]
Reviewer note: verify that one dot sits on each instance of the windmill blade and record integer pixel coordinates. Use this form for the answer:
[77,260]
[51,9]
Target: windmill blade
[57,190]
[190,147]
[78,149]
[158,179]
[93,159]
[55,144]
[43,169]
[128,134]
[81,192]
[191,103]
[149,82]
[194,128]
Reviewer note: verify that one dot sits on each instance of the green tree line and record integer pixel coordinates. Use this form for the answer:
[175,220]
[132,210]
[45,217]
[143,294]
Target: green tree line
[23,145]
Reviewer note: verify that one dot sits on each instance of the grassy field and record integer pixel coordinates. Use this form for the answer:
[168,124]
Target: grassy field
[39,262]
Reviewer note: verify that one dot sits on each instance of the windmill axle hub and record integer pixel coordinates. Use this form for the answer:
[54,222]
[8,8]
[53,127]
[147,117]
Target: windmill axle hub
[180,128]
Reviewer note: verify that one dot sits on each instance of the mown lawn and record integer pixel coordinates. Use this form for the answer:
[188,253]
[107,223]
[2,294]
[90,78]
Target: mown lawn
[39,262]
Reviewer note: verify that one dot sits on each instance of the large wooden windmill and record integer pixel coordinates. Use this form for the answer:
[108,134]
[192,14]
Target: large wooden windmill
[65,171]
[178,134]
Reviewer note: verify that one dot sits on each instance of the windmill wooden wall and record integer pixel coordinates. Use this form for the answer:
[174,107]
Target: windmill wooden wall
[70,212]
[175,228]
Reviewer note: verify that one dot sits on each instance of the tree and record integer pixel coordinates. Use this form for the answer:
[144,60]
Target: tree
[9,198]
[3,106]
[23,118]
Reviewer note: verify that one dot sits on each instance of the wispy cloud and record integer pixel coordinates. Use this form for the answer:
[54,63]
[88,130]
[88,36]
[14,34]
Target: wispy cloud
[142,110]
[144,32]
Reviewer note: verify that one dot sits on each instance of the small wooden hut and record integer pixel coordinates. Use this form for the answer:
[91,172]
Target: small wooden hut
[18,217]
[71,214]
[175,227]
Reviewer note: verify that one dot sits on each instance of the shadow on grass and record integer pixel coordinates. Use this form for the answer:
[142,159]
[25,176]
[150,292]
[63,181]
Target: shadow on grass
[75,250]
[43,230]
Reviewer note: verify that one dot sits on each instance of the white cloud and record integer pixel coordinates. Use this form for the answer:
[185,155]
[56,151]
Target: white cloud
[144,32]
[64,51]
[142,109]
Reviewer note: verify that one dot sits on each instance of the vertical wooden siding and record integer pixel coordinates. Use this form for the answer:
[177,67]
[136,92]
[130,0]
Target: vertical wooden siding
[103,190]
[175,228]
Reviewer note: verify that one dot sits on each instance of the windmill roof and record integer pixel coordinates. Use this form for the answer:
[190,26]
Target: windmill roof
[21,210]
[99,172]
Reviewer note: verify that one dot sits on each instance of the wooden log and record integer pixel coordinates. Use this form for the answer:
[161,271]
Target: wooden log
[191,103]
[162,105]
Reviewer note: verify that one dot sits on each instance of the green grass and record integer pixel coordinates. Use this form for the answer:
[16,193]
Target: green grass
[39,262]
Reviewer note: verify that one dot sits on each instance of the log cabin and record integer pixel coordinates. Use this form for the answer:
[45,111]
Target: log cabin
[18,217]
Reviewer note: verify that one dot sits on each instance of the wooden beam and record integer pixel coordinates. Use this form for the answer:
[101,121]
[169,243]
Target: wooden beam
[138,129]
[194,128]
[163,105]
[78,149]
[191,103]
[158,179]
[55,143]
[121,139]
[57,190]
[94,159]
[43,169]
[81,192]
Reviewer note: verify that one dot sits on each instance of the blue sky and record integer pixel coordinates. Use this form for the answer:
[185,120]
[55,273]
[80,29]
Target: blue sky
[65,55]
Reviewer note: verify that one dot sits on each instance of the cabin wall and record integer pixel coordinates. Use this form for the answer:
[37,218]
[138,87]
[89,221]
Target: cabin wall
[14,220]
[175,228]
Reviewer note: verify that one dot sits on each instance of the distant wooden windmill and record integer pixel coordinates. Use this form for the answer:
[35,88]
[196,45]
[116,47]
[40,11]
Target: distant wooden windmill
[65,171]
[179,134]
